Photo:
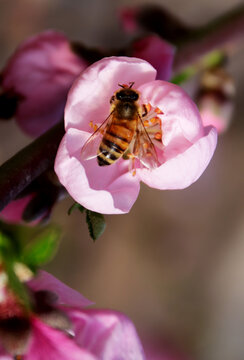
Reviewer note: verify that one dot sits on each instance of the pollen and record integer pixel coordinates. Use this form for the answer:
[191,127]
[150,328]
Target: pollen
[155,120]
[146,145]
[146,123]
[134,172]
[158,136]
[93,126]
[158,111]
[147,107]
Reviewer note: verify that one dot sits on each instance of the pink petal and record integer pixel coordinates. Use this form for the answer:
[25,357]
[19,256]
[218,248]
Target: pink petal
[90,94]
[12,213]
[220,122]
[66,295]
[181,118]
[157,52]
[185,168]
[107,334]
[112,190]
[41,72]
[128,19]
[48,343]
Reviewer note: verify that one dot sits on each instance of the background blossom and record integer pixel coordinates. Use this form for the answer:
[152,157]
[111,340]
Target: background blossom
[39,74]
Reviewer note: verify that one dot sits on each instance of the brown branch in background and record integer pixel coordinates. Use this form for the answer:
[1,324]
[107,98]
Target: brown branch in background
[225,30]
[192,42]
[19,171]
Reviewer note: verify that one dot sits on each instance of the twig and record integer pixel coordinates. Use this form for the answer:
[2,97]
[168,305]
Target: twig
[19,171]
[222,31]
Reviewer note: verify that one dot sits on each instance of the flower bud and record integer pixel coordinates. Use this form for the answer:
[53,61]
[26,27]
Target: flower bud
[215,98]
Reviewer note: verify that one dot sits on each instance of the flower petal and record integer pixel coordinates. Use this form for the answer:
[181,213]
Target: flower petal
[12,213]
[48,343]
[89,96]
[66,295]
[108,190]
[107,334]
[180,117]
[185,168]
[41,72]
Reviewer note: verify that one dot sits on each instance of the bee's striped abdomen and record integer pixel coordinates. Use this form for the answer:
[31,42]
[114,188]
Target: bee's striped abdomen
[114,143]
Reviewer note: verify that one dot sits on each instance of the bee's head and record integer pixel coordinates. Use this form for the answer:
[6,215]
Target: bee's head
[127,95]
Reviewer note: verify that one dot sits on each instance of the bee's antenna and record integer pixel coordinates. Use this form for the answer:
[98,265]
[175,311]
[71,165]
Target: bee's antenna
[125,86]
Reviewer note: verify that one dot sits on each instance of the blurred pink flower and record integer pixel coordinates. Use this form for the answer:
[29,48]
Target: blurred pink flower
[216,98]
[40,74]
[127,16]
[186,150]
[12,213]
[221,122]
[60,328]
[158,52]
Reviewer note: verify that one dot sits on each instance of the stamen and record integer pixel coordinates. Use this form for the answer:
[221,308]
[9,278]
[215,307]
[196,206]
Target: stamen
[94,127]
[155,120]
[158,136]
[148,107]
[158,111]
[146,123]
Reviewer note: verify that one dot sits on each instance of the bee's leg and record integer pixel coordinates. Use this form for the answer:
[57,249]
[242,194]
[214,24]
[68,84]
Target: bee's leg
[146,109]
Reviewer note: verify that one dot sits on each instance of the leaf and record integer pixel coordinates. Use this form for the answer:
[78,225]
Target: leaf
[42,248]
[96,224]
[76,206]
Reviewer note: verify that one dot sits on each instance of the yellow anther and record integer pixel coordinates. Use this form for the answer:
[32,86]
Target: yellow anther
[146,123]
[158,111]
[155,120]
[158,136]
[94,127]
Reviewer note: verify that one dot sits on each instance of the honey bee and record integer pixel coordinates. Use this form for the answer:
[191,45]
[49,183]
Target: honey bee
[123,133]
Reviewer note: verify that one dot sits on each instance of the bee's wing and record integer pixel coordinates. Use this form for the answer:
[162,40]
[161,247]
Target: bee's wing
[143,148]
[91,146]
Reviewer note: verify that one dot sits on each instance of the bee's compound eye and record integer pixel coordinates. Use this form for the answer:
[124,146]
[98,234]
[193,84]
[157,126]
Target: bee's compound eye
[134,96]
[119,96]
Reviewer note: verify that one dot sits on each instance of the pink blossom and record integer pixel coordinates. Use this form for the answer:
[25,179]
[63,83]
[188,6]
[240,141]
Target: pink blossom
[186,147]
[158,52]
[220,121]
[12,213]
[40,74]
[215,98]
[60,328]
[128,19]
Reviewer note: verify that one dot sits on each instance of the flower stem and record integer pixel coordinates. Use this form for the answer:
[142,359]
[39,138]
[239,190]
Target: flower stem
[30,162]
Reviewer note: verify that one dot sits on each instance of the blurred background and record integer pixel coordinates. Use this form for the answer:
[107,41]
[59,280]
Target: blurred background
[175,263]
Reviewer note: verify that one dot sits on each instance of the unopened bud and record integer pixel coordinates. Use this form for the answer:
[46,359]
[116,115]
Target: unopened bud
[215,98]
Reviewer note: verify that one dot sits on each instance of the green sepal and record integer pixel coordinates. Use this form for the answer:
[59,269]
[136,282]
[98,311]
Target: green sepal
[96,224]
[76,206]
